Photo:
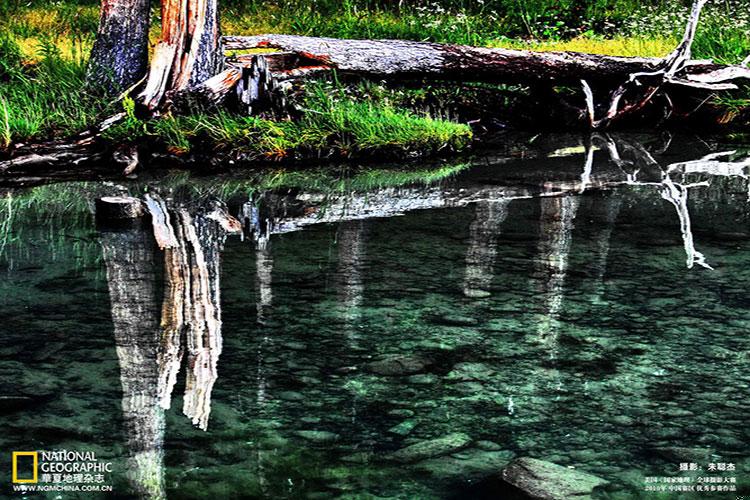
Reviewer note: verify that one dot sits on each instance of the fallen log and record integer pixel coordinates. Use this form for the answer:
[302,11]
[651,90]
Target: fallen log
[401,58]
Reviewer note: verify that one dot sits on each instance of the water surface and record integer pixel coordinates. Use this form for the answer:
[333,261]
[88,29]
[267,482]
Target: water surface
[585,304]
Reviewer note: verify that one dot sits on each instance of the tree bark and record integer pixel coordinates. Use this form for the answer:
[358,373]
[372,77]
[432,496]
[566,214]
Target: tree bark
[188,52]
[119,57]
[401,58]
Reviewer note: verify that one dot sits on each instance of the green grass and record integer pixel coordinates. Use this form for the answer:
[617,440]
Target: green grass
[47,100]
[332,124]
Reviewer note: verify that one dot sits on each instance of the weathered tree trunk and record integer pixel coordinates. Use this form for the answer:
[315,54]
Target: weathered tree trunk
[402,58]
[188,52]
[119,57]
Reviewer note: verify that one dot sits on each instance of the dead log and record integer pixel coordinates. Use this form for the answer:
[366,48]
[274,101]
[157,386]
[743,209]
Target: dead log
[401,58]
[631,83]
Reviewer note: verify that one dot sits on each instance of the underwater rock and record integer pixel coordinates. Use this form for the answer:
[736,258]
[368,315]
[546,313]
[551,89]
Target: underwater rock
[401,412]
[432,448]
[547,481]
[623,420]
[457,320]
[318,436]
[488,445]
[398,365]
[465,372]
[468,465]
[678,454]
[423,379]
[404,428]
[291,396]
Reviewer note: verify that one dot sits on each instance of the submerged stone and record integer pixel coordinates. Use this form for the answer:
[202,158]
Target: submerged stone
[468,465]
[488,445]
[291,396]
[547,481]
[401,412]
[465,372]
[432,448]
[398,365]
[318,436]
[404,428]
[457,320]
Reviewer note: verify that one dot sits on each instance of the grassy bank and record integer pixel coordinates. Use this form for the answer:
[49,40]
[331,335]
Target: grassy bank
[43,50]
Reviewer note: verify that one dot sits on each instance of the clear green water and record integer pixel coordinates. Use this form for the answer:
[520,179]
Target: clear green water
[539,316]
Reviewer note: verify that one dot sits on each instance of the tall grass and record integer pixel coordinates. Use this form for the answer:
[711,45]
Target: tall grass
[332,124]
[47,99]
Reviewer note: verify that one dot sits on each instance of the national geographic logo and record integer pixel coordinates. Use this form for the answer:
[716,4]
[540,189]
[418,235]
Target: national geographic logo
[25,466]
[48,471]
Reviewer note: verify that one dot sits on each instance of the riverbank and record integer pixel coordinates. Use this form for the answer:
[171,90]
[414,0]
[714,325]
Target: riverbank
[43,53]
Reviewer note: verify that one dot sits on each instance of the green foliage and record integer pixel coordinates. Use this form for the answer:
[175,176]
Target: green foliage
[47,99]
[332,123]
[10,58]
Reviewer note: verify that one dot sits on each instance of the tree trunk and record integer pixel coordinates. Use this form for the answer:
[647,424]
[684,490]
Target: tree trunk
[188,52]
[119,57]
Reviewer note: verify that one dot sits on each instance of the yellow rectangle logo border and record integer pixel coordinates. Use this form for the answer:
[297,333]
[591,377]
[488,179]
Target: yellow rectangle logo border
[17,454]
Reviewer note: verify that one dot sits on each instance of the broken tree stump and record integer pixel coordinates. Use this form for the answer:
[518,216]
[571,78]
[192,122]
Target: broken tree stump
[116,208]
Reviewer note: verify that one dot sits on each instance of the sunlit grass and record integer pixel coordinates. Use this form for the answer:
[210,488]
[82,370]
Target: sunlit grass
[619,46]
[332,124]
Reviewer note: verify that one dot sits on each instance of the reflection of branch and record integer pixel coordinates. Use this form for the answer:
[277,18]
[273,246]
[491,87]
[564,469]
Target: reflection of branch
[587,166]
[677,194]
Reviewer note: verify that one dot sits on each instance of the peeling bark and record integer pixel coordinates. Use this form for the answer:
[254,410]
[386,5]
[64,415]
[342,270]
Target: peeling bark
[188,53]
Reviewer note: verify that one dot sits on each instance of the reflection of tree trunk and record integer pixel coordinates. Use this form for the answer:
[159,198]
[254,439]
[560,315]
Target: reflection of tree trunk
[556,235]
[128,254]
[612,203]
[263,273]
[482,251]
[204,241]
[192,247]
[349,284]
[348,280]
